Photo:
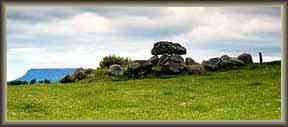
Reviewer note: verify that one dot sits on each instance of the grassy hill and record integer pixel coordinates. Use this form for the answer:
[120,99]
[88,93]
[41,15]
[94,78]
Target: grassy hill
[248,93]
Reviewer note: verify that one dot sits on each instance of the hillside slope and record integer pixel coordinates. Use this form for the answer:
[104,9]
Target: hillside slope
[248,93]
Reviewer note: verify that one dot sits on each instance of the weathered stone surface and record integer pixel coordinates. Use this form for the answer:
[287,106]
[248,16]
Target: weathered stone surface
[246,58]
[164,58]
[225,57]
[154,60]
[176,59]
[190,61]
[115,69]
[163,47]
[224,62]
[139,68]
[195,69]
[171,63]
[167,58]
[212,64]
[172,68]
[229,62]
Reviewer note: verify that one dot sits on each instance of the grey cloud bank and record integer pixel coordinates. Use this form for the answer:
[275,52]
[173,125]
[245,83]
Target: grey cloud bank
[80,37]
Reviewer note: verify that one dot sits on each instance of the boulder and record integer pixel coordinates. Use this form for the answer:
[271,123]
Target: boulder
[163,47]
[139,68]
[164,58]
[225,57]
[154,60]
[176,59]
[224,62]
[190,61]
[172,68]
[246,58]
[212,64]
[229,62]
[195,69]
[115,70]
[173,58]
[171,64]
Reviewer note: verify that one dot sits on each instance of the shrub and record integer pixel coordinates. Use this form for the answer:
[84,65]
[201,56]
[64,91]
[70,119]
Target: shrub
[107,61]
[46,81]
[88,71]
[17,82]
[33,81]
[67,79]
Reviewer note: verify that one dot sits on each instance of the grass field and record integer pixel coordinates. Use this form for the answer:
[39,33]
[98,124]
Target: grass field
[248,93]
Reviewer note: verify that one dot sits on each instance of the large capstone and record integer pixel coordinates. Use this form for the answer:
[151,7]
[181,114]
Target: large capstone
[165,47]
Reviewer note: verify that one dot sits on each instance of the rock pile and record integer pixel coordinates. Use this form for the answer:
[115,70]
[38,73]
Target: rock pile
[224,62]
[139,68]
[168,60]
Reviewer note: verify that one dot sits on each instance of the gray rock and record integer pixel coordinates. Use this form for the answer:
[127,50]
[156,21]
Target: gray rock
[230,62]
[163,47]
[172,59]
[190,61]
[172,68]
[115,70]
[139,68]
[171,64]
[246,58]
[225,57]
[212,64]
[224,62]
[154,60]
[176,59]
[164,58]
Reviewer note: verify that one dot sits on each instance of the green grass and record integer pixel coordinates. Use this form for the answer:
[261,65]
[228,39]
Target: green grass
[249,93]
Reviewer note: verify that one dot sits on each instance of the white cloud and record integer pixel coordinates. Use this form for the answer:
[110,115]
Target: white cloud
[84,38]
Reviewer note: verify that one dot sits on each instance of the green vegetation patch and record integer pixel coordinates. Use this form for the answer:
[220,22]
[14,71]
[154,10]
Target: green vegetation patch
[248,93]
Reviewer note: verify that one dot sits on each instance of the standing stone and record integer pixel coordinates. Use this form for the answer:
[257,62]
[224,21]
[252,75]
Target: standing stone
[260,58]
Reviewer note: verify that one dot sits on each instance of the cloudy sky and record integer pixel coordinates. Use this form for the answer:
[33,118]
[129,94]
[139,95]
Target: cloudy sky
[80,37]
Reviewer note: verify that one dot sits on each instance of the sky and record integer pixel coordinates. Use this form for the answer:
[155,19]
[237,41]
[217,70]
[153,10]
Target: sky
[80,37]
